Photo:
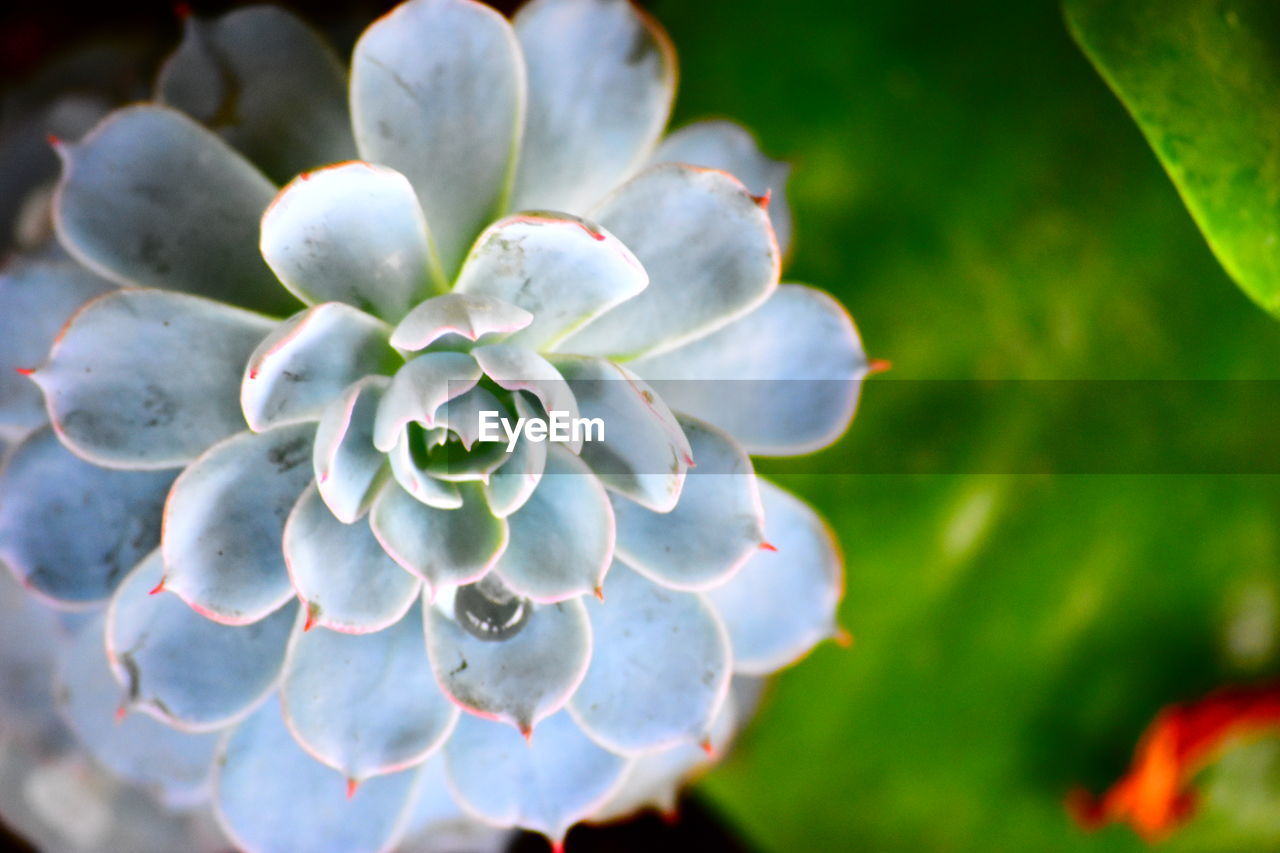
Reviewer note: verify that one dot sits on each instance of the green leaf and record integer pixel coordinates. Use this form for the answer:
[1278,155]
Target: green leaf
[1201,79]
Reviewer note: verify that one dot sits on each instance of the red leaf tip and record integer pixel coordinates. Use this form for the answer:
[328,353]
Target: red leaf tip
[599,591]
[121,712]
[526,731]
[158,588]
[842,637]
[762,201]
[879,365]
[708,747]
[352,784]
[768,546]
[25,371]
[312,610]
[182,10]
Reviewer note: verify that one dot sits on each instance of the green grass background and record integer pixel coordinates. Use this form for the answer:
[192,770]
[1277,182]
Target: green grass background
[969,188]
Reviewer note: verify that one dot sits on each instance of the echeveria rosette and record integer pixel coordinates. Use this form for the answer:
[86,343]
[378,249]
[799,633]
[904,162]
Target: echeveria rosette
[350,617]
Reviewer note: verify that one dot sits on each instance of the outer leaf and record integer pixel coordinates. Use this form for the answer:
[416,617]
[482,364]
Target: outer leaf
[137,747]
[1200,79]
[520,680]
[660,669]
[265,82]
[602,76]
[182,668]
[717,525]
[148,378]
[151,198]
[782,602]
[437,92]
[69,530]
[308,361]
[730,147]
[343,577]
[270,795]
[36,298]
[546,785]
[708,248]
[782,380]
[365,705]
[224,521]
[352,233]
[562,538]
[562,269]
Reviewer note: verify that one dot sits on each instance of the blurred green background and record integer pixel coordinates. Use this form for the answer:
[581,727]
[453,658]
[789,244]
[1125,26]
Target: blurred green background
[966,184]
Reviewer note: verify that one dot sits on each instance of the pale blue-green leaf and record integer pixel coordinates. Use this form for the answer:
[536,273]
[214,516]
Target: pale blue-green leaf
[151,198]
[708,247]
[36,299]
[438,92]
[270,795]
[342,576]
[730,147]
[353,233]
[347,466]
[564,270]
[780,603]
[267,84]
[521,679]
[176,764]
[182,668]
[432,491]
[462,415]
[654,779]
[660,668]
[562,538]
[465,315]
[224,521]
[442,546]
[70,530]
[418,389]
[149,378]
[717,525]
[511,485]
[602,76]
[518,368]
[365,705]
[782,380]
[309,360]
[546,785]
[643,454]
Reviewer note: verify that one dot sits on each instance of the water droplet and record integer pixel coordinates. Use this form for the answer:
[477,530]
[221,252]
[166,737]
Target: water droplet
[489,611]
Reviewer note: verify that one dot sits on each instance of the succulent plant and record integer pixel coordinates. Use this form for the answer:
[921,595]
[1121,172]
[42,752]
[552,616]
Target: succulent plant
[295,581]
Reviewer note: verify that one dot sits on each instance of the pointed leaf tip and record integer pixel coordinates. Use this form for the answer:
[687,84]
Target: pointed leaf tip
[842,638]
[121,713]
[599,592]
[158,588]
[352,784]
[707,746]
[762,201]
[25,371]
[768,546]
[313,611]
[879,365]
